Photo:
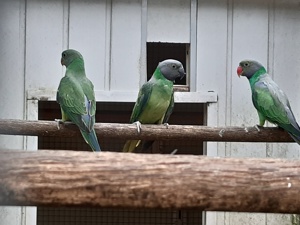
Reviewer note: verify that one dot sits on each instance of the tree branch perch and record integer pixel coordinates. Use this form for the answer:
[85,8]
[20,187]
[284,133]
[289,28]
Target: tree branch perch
[69,178]
[150,132]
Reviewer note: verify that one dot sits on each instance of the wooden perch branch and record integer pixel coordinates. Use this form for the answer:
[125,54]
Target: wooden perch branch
[67,178]
[153,132]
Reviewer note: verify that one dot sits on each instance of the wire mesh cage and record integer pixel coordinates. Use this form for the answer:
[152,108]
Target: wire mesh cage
[192,114]
[109,216]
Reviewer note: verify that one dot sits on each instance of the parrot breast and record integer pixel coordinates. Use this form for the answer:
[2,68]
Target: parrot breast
[157,106]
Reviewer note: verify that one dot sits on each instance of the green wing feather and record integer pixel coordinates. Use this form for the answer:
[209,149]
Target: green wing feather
[268,102]
[273,105]
[72,99]
[169,110]
[142,100]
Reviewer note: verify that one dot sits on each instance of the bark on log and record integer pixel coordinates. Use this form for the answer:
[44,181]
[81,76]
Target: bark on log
[148,132]
[67,178]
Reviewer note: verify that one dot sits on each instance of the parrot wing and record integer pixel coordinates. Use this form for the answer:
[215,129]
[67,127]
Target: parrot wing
[169,110]
[141,103]
[76,104]
[271,102]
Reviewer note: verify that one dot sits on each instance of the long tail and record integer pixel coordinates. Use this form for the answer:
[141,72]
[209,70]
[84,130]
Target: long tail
[294,131]
[296,138]
[131,145]
[91,139]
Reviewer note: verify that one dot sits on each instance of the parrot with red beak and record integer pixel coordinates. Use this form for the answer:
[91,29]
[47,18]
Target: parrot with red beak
[269,100]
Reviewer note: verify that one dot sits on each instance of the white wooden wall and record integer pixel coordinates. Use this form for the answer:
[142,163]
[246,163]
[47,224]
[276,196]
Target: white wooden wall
[111,35]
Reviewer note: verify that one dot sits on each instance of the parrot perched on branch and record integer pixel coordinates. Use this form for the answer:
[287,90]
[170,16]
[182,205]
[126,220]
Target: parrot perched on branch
[269,100]
[76,97]
[155,100]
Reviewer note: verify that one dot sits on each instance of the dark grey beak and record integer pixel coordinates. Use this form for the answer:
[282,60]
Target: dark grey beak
[181,73]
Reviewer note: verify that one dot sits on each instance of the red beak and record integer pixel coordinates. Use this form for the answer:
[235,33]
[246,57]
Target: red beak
[239,71]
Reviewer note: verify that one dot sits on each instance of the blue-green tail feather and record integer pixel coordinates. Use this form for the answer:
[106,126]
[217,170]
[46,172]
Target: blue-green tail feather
[296,138]
[294,131]
[91,139]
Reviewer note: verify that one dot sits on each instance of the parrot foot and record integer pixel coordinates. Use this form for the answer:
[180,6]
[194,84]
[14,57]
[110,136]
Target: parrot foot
[174,152]
[58,122]
[257,127]
[138,126]
[221,132]
[167,126]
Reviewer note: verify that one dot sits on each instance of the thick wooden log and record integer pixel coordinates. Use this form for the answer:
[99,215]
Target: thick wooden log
[150,132]
[68,178]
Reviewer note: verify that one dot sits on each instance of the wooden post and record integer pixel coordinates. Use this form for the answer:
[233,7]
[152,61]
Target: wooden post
[150,132]
[68,178]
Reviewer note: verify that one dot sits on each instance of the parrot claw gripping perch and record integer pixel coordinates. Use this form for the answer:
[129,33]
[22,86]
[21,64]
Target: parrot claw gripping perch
[257,128]
[58,122]
[167,126]
[138,126]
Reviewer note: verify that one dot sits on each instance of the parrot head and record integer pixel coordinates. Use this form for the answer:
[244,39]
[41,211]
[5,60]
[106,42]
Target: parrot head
[68,56]
[248,68]
[171,69]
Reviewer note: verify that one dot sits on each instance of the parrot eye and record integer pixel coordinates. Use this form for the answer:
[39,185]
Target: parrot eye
[174,66]
[246,64]
[64,54]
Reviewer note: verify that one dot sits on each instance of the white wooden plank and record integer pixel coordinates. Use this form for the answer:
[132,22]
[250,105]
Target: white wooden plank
[193,46]
[169,21]
[126,45]
[234,218]
[12,59]
[12,67]
[87,34]
[108,19]
[44,42]
[143,57]
[211,46]
[281,219]
[10,215]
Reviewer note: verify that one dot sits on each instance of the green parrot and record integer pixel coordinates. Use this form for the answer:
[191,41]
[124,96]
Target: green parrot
[155,100]
[269,100]
[76,97]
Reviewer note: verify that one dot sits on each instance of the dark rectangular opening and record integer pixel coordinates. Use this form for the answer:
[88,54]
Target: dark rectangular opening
[159,51]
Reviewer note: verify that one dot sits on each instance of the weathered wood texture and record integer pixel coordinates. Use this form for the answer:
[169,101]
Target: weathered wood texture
[153,132]
[68,178]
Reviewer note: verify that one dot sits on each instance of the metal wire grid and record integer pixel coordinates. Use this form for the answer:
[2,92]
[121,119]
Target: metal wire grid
[108,216]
